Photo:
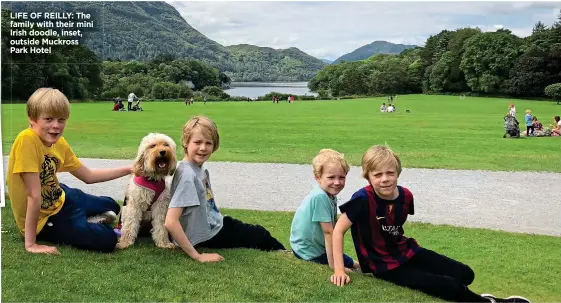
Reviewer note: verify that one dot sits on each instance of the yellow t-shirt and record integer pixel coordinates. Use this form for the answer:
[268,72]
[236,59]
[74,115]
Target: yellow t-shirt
[30,155]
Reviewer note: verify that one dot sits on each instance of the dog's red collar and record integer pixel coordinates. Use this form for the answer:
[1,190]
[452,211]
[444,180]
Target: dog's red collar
[156,186]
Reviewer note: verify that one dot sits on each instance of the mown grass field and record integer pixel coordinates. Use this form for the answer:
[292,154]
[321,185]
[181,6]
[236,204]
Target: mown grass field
[440,131]
[504,264]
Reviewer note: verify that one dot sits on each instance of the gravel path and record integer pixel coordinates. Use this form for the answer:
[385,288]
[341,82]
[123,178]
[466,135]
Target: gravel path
[494,200]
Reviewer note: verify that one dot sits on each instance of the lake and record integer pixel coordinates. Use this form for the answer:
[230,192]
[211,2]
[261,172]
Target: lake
[256,89]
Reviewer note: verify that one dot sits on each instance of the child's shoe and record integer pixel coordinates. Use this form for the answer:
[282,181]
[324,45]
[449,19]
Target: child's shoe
[511,299]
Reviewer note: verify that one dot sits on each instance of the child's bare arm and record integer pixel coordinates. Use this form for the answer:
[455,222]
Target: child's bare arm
[174,228]
[327,228]
[90,176]
[33,188]
[339,277]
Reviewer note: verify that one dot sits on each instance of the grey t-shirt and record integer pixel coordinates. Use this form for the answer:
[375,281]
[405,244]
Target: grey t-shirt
[201,220]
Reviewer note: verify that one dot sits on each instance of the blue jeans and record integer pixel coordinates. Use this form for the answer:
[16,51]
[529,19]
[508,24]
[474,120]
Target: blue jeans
[347,261]
[70,225]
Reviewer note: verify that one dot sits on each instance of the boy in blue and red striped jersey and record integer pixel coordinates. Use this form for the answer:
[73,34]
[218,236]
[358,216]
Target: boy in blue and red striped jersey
[376,214]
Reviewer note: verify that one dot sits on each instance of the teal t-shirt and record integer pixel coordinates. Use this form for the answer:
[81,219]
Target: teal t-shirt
[306,235]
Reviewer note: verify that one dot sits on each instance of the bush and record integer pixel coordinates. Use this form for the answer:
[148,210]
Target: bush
[323,94]
[184,91]
[165,90]
[553,91]
[213,91]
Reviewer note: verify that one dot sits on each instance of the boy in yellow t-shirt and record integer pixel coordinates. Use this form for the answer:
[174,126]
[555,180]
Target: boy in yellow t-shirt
[45,209]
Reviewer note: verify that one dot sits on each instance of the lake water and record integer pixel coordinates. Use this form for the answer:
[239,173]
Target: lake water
[256,89]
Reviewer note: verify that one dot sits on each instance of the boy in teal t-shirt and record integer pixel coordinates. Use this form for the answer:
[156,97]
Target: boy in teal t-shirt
[312,226]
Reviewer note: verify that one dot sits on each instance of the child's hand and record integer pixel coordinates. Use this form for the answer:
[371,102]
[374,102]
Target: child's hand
[203,258]
[340,278]
[42,249]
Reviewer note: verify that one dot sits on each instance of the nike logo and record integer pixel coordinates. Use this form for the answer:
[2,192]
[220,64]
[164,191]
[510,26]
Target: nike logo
[378,218]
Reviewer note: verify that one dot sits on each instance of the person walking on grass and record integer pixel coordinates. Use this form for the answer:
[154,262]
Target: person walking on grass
[43,208]
[193,219]
[376,215]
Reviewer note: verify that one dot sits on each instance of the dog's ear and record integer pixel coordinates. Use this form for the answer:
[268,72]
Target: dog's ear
[138,165]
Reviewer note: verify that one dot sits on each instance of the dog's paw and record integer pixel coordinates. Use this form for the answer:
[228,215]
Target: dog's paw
[166,245]
[122,245]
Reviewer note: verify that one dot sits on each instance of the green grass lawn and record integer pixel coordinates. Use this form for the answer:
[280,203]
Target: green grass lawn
[440,131]
[504,264]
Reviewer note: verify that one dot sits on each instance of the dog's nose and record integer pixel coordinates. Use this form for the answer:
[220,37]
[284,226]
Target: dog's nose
[162,153]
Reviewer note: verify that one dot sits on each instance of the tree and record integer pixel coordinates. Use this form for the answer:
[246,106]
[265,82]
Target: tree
[488,58]
[554,91]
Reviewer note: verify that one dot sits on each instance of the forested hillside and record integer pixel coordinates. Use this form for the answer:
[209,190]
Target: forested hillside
[374,48]
[253,63]
[142,31]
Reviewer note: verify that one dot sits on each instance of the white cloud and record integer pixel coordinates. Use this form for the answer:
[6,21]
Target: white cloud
[331,29]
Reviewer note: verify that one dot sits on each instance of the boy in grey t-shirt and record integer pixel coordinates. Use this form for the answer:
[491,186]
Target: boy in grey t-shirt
[193,220]
[190,190]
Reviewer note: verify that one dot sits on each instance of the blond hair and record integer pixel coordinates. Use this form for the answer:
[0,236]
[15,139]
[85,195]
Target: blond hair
[377,156]
[47,101]
[206,126]
[528,111]
[326,156]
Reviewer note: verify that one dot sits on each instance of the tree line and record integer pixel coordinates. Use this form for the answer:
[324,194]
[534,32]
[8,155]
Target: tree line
[465,60]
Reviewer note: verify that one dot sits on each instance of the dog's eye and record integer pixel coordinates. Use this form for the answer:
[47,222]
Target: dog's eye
[152,145]
[165,144]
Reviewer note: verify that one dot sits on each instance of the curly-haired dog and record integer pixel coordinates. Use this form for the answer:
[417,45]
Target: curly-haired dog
[147,196]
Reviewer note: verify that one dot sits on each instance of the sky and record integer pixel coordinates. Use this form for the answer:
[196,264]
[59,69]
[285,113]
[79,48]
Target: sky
[331,29]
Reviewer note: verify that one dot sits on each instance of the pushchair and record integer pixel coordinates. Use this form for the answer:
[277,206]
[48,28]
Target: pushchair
[137,107]
[512,127]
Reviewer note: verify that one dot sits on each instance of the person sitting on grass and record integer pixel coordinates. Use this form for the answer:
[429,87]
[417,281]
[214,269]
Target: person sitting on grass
[44,209]
[536,123]
[193,220]
[376,215]
[383,108]
[313,222]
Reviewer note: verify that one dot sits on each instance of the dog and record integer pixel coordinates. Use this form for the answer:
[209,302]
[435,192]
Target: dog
[147,196]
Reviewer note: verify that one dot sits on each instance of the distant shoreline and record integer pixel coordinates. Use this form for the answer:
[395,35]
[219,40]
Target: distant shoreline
[269,84]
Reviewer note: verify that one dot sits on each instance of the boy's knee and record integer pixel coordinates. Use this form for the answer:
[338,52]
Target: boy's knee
[112,205]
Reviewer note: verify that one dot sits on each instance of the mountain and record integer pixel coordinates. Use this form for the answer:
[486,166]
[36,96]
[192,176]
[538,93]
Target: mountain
[376,47]
[254,63]
[327,61]
[143,30]
[134,30]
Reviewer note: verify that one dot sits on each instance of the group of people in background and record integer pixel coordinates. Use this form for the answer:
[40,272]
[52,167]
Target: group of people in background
[390,108]
[534,128]
[289,99]
[118,103]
